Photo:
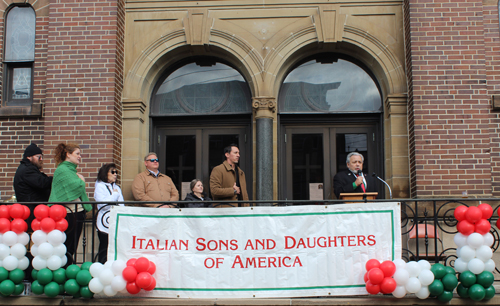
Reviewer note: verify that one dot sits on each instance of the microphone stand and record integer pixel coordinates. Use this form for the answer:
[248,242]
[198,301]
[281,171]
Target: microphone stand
[390,191]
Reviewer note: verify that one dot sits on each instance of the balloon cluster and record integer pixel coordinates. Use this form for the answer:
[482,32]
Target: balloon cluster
[445,281]
[477,287]
[73,280]
[139,275]
[11,282]
[108,278]
[473,219]
[48,238]
[13,236]
[412,277]
[378,276]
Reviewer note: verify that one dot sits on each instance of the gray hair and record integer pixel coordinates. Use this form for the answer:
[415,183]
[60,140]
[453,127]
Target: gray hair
[150,153]
[348,159]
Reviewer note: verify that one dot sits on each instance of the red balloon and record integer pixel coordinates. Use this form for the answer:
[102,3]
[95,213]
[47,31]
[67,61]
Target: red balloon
[129,274]
[131,262]
[47,225]
[62,225]
[371,288]
[16,211]
[143,280]
[375,276]
[152,286]
[486,210]
[18,226]
[388,267]
[482,227]
[57,212]
[473,214]
[372,263]
[498,223]
[35,225]
[27,212]
[459,212]
[465,227]
[132,288]
[365,278]
[4,211]
[152,268]
[141,264]
[41,212]
[388,285]
[4,225]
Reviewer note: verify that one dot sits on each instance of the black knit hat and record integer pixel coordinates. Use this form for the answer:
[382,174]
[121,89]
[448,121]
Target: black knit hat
[31,150]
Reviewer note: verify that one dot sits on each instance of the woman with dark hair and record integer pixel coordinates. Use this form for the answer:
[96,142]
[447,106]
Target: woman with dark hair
[197,197]
[106,190]
[69,186]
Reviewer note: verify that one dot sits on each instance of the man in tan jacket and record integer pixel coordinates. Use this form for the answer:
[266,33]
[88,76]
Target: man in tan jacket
[151,185]
[225,185]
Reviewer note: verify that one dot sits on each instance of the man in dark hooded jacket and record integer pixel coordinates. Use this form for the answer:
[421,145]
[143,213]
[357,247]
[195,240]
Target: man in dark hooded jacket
[30,183]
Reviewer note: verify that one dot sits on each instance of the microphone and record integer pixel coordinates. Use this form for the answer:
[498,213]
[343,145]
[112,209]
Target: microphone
[390,191]
[360,173]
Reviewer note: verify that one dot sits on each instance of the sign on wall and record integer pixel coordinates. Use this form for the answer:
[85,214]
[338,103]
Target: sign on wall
[245,252]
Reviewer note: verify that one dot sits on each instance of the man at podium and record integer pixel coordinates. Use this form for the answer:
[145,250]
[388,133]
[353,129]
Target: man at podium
[353,179]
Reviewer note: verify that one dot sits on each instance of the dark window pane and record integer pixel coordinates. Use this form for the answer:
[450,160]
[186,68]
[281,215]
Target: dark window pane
[307,163]
[180,162]
[20,35]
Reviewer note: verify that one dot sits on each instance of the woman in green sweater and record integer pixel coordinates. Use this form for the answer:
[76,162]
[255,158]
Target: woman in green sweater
[69,186]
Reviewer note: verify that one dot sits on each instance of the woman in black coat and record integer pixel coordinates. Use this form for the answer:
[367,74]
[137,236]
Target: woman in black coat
[197,197]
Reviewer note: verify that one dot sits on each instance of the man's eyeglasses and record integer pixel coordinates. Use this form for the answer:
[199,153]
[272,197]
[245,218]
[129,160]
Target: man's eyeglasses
[39,156]
[114,172]
[153,160]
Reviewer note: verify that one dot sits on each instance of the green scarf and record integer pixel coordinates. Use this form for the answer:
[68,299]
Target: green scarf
[67,186]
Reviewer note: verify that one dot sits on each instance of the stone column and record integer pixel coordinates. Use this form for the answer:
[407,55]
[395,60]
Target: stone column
[264,108]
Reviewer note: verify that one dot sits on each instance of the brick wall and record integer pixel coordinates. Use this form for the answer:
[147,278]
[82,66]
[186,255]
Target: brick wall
[450,109]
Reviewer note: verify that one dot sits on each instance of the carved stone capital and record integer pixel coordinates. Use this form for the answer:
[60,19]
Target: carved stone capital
[133,109]
[264,107]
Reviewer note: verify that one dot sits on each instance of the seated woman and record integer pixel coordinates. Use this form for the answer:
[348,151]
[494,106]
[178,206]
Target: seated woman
[197,197]
[106,190]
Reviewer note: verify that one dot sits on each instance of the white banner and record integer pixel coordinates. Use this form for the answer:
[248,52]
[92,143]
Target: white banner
[245,252]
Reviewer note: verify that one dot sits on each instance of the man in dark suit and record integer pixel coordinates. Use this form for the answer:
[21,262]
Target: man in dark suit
[353,179]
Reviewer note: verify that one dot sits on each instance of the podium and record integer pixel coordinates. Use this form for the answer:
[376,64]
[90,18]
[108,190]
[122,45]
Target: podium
[358,196]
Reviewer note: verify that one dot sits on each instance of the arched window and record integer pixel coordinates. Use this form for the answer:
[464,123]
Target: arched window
[203,87]
[19,56]
[326,84]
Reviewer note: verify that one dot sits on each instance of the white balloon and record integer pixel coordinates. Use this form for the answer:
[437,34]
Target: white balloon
[460,240]
[423,293]
[424,264]
[18,250]
[489,265]
[401,277]
[10,263]
[55,237]
[39,237]
[45,250]
[117,267]
[39,263]
[399,292]
[400,263]
[484,253]
[426,277]
[458,251]
[96,269]
[475,240]
[413,285]
[59,250]
[106,276]
[23,238]
[9,238]
[476,265]
[413,269]
[488,239]
[64,260]
[34,250]
[64,237]
[4,251]
[118,283]
[109,291]
[24,263]
[109,264]
[467,253]
[95,285]
[54,262]
[460,265]
[1,238]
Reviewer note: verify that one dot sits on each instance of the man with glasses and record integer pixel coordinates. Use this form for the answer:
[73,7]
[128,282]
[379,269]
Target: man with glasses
[151,185]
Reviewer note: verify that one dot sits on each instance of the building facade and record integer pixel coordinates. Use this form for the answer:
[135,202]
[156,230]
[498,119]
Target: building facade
[297,85]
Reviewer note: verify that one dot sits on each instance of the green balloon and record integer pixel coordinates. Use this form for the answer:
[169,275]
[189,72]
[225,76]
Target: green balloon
[71,271]
[71,286]
[446,296]
[439,271]
[17,276]
[77,295]
[436,287]
[60,276]
[489,293]
[86,265]
[449,281]
[7,287]
[61,288]
[485,279]
[45,276]
[83,277]
[86,293]
[36,288]
[4,274]
[462,291]
[51,289]
[477,292]
[467,278]
[450,270]
[34,274]
[18,289]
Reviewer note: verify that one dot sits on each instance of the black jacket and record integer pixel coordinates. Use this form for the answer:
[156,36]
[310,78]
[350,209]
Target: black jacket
[30,184]
[342,183]
[197,202]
